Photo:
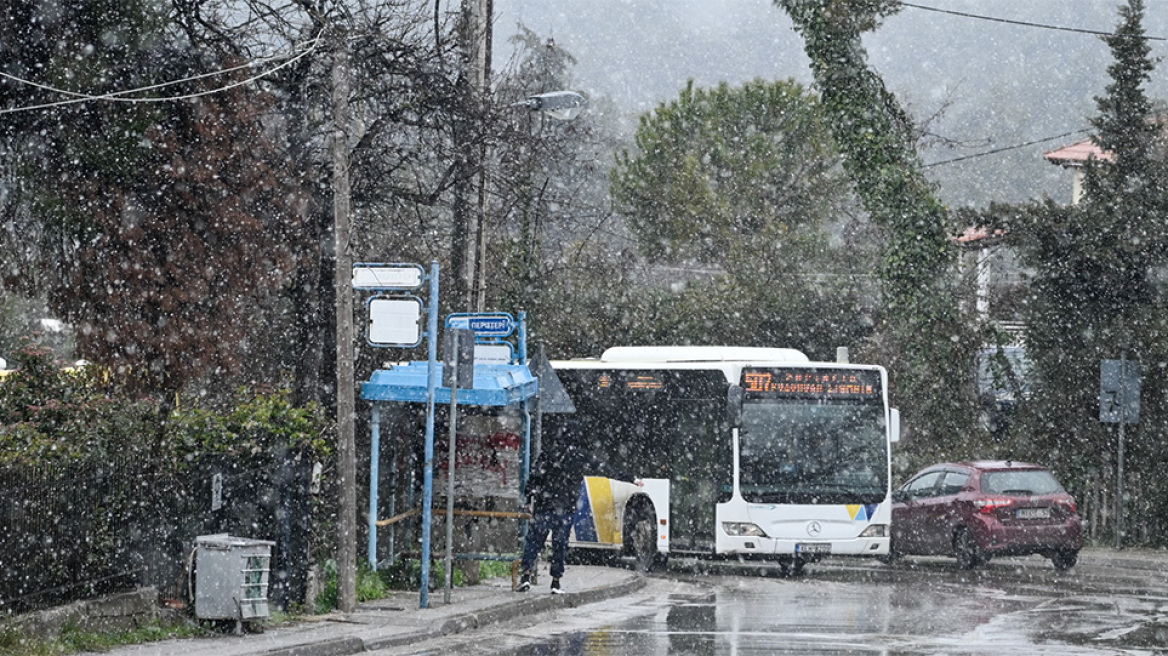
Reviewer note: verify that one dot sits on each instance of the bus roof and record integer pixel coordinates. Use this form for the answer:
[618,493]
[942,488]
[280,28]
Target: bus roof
[668,354]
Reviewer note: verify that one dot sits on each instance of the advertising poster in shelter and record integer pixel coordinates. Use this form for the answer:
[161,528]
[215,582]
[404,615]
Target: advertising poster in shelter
[486,457]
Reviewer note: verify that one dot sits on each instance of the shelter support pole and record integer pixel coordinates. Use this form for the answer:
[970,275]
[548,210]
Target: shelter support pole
[428,463]
[374,467]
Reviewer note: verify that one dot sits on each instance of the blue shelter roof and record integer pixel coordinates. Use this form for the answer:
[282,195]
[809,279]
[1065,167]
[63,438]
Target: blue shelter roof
[494,385]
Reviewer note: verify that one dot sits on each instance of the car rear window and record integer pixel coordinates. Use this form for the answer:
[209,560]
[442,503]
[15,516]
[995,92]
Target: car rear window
[1021,483]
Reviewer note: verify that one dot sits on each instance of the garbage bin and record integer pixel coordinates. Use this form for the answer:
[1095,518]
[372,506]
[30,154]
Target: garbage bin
[231,578]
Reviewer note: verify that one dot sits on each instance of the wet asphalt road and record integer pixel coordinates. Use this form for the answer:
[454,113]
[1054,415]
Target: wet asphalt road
[1020,606]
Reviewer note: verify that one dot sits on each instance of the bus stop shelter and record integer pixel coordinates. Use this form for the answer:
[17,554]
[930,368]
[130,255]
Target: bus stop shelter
[494,385]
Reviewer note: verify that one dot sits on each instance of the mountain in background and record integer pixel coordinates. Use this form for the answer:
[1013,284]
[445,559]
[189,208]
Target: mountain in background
[976,84]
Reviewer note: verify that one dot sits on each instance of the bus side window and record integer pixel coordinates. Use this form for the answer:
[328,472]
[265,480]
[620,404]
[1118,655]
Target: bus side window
[734,396]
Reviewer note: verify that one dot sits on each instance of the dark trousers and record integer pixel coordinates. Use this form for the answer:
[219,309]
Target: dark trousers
[559,524]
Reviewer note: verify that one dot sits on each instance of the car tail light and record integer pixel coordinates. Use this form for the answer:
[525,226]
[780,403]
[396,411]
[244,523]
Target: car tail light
[1070,503]
[987,506]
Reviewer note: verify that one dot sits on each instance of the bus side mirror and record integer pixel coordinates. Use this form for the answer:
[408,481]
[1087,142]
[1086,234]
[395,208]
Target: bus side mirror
[734,406]
[893,425]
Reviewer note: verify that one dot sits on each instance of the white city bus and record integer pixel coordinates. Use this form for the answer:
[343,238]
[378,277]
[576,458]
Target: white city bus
[743,452]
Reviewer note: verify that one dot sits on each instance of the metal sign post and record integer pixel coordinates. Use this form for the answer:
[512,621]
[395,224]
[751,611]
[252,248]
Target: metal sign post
[450,458]
[394,320]
[1119,402]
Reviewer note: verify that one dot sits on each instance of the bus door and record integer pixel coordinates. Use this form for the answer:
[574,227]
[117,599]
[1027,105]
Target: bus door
[700,466]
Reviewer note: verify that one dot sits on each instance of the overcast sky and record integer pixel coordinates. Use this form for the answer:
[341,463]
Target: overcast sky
[1001,84]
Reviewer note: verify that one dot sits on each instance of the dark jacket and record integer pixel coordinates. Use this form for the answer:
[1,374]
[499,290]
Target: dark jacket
[560,469]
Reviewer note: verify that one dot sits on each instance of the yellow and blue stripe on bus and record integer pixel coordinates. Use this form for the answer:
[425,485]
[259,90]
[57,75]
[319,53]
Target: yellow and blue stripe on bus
[596,518]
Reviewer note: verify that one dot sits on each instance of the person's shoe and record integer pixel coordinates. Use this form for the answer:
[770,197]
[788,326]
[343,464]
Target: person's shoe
[524,583]
[556,589]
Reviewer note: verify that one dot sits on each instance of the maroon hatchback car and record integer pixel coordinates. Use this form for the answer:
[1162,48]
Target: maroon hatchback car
[977,510]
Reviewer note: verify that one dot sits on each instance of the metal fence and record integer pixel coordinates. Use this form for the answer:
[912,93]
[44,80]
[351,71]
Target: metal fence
[74,531]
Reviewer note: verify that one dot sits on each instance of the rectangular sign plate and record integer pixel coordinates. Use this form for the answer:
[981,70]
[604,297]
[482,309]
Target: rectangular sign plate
[395,321]
[387,276]
[497,324]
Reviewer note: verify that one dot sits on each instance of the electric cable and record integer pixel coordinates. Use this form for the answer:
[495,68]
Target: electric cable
[1006,148]
[121,96]
[1022,23]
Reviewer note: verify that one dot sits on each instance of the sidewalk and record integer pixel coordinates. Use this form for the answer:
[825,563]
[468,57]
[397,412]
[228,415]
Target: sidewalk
[397,620]
[1142,559]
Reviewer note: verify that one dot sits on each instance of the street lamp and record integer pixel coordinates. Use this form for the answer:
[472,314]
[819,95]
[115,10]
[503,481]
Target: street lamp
[564,105]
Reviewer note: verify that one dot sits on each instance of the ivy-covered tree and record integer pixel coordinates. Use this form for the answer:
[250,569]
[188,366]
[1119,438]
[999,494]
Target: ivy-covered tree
[929,346]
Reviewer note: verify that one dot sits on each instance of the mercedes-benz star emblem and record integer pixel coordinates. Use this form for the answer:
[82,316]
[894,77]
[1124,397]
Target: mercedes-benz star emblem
[814,529]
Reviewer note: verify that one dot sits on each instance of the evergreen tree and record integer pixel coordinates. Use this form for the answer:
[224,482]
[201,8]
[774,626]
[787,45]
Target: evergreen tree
[1093,296]
[731,174]
[548,193]
[744,181]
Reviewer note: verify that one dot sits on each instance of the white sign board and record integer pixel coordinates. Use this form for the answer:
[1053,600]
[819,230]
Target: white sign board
[395,321]
[493,353]
[383,276]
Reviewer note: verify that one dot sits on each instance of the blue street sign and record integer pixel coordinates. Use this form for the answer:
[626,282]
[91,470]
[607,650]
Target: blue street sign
[484,324]
[1119,391]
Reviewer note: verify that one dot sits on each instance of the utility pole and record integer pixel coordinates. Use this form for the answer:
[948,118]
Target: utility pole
[342,287]
[469,239]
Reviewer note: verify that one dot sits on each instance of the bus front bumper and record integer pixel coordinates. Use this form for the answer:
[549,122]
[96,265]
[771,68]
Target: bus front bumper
[809,549]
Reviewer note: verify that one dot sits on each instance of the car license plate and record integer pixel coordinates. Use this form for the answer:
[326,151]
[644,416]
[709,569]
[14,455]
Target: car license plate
[1033,513]
[813,548]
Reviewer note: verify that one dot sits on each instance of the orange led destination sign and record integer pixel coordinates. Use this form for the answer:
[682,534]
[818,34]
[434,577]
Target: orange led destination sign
[632,382]
[811,383]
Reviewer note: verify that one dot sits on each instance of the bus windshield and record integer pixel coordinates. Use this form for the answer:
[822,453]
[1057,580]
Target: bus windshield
[808,452]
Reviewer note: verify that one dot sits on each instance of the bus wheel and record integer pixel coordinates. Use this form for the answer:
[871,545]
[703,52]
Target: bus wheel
[641,538]
[791,566]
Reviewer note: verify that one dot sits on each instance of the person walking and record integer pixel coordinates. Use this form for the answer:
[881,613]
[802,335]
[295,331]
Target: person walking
[552,492]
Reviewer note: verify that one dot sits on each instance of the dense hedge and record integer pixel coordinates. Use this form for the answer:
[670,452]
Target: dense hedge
[94,496]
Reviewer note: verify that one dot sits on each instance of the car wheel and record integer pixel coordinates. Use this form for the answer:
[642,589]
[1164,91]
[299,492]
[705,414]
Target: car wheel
[893,554]
[1064,559]
[966,550]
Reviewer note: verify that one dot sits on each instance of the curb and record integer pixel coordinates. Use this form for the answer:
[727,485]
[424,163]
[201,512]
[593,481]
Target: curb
[1122,562]
[331,647]
[463,622]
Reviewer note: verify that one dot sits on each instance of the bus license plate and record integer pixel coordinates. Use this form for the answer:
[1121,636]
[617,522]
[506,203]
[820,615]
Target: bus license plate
[813,548]
[1034,513]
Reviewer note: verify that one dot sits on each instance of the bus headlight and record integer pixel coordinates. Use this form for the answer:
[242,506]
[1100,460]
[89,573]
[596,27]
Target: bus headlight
[875,531]
[743,530]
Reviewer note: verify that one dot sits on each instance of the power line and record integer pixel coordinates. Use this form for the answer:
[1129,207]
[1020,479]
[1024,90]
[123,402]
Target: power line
[1006,148]
[125,95]
[1022,23]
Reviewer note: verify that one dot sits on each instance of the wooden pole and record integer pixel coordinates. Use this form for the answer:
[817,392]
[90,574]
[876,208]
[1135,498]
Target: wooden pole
[346,402]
